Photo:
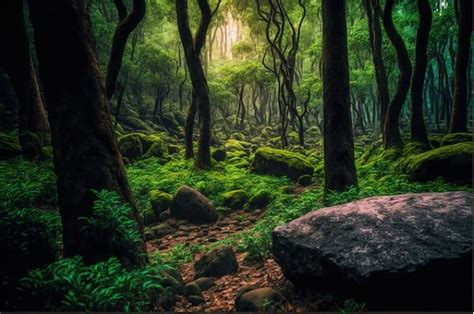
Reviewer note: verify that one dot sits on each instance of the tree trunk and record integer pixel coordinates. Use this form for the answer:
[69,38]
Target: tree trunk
[418,129]
[459,114]
[392,137]
[375,33]
[15,58]
[189,127]
[86,156]
[192,48]
[127,23]
[339,165]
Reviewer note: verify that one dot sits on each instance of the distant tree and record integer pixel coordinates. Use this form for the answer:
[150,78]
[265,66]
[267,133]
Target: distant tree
[192,48]
[374,14]
[15,58]
[392,137]
[86,155]
[418,129]
[459,114]
[127,23]
[339,166]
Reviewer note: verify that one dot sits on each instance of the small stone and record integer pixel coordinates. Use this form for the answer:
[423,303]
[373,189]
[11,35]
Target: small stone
[257,299]
[217,263]
[205,283]
[192,288]
[195,300]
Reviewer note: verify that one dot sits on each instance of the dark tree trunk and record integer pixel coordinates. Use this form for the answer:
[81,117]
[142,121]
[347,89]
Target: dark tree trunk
[189,127]
[459,114]
[375,32]
[127,23]
[86,155]
[16,60]
[339,166]
[418,129]
[192,48]
[392,137]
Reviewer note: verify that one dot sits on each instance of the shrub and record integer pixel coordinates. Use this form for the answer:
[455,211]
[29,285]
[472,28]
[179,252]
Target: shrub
[70,285]
[111,226]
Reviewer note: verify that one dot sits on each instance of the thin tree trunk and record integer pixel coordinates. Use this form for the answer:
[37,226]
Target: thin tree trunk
[15,58]
[418,128]
[392,137]
[375,32]
[459,115]
[86,156]
[192,48]
[127,23]
[339,165]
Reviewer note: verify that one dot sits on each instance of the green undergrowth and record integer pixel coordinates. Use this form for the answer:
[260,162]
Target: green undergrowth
[27,184]
[147,175]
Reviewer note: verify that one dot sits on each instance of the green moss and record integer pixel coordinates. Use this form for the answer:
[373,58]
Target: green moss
[414,148]
[160,201]
[456,138]
[235,199]
[435,140]
[452,162]
[157,150]
[280,163]
[131,146]
[236,145]
[261,199]
[135,145]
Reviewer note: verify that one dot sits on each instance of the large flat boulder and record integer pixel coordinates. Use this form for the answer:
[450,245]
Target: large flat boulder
[405,252]
[191,205]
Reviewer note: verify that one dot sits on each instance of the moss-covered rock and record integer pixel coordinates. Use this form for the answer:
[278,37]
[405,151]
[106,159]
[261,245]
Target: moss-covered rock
[260,200]
[149,217]
[236,145]
[435,140]
[173,149]
[235,199]
[131,146]
[157,150]
[160,201]
[456,138]
[305,180]
[280,163]
[136,145]
[9,146]
[452,162]
[414,148]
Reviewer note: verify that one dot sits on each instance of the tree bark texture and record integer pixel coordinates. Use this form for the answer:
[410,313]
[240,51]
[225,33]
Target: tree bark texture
[418,128]
[339,165]
[86,155]
[16,60]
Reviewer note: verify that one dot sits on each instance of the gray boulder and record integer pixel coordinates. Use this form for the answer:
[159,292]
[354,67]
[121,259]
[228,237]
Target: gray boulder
[217,263]
[405,252]
[191,205]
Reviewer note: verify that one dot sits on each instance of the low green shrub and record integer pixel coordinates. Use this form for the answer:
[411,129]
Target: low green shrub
[70,285]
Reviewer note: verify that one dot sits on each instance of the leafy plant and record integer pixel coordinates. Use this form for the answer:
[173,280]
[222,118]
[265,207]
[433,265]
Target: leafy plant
[111,217]
[70,285]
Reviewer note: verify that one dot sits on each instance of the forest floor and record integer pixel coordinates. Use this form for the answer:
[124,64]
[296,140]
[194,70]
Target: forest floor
[28,193]
[265,273]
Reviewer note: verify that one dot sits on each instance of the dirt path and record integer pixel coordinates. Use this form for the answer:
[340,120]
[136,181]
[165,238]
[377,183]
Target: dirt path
[221,297]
